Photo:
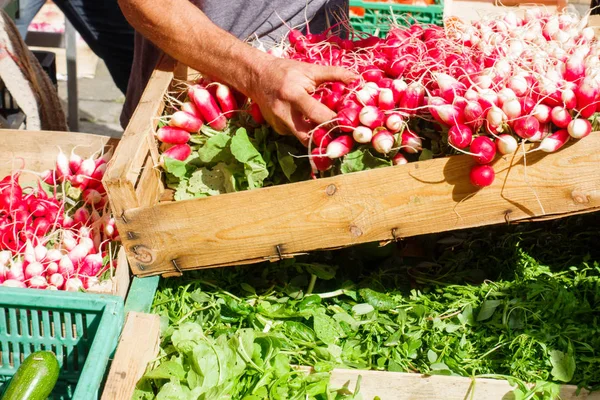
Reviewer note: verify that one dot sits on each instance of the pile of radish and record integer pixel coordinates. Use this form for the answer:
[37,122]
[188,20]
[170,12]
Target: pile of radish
[485,88]
[59,233]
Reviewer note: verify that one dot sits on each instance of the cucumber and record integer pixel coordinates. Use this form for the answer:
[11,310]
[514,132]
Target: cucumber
[35,378]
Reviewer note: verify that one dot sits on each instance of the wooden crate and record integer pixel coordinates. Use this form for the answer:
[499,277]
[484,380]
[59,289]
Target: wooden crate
[36,151]
[139,342]
[167,237]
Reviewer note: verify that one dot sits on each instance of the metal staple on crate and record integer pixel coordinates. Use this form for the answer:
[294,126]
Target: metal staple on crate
[278,247]
[394,236]
[176,266]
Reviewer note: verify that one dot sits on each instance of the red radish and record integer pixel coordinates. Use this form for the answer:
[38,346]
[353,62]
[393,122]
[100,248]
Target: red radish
[587,93]
[73,285]
[526,127]
[319,159]
[208,107]
[321,137]
[178,152]
[569,99]
[53,255]
[579,128]
[40,252]
[512,108]
[560,117]
[372,117]
[574,68]
[62,165]
[332,100]
[399,159]
[482,175]
[172,134]
[91,264]
[414,97]
[542,113]
[65,266]
[340,146]
[496,117]
[190,108]
[74,162]
[48,176]
[398,88]
[449,86]
[38,282]
[394,122]
[29,253]
[51,268]
[506,144]
[386,99]
[87,167]
[518,85]
[57,280]
[366,97]
[527,105]
[362,134]
[460,136]
[383,141]
[33,269]
[446,114]
[411,143]
[91,196]
[81,215]
[68,240]
[485,148]
[554,141]
[184,121]
[348,119]
[16,271]
[14,283]
[226,100]
[256,114]
[473,115]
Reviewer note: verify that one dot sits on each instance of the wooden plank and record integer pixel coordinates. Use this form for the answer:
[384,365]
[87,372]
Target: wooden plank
[150,187]
[137,347]
[118,285]
[37,150]
[408,386]
[416,198]
[123,171]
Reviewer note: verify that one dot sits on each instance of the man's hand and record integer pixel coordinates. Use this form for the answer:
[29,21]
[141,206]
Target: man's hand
[282,93]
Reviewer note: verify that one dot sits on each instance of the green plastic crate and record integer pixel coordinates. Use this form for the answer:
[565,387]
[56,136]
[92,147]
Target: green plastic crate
[379,15]
[82,329]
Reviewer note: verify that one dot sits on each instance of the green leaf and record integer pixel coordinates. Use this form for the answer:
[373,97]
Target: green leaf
[174,391]
[327,329]
[322,271]
[245,152]
[216,149]
[380,301]
[362,309]
[167,370]
[563,365]
[487,309]
[285,159]
[206,182]
[426,154]
[175,167]
[362,159]
[432,356]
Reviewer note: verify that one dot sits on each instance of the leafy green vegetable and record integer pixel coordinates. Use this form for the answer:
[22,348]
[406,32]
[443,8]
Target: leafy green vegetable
[515,302]
[362,159]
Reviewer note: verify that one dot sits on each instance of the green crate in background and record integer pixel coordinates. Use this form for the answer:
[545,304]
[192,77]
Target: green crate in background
[379,15]
[82,329]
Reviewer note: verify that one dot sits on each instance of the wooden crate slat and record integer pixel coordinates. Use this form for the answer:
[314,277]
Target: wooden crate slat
[37,150]
[137,347]
[407,386]
[417,198]
[137,142]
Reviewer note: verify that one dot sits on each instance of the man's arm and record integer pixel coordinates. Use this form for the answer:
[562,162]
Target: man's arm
[279,86]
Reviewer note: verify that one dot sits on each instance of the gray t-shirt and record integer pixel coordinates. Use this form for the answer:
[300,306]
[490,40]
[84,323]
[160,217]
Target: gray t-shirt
[248,19]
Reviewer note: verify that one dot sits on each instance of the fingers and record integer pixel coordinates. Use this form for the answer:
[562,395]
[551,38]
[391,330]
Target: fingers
[322,74]
[314,110]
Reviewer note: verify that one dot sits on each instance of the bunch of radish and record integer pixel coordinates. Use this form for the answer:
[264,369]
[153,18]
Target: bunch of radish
[58,237]
[484,87]
[207,103]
